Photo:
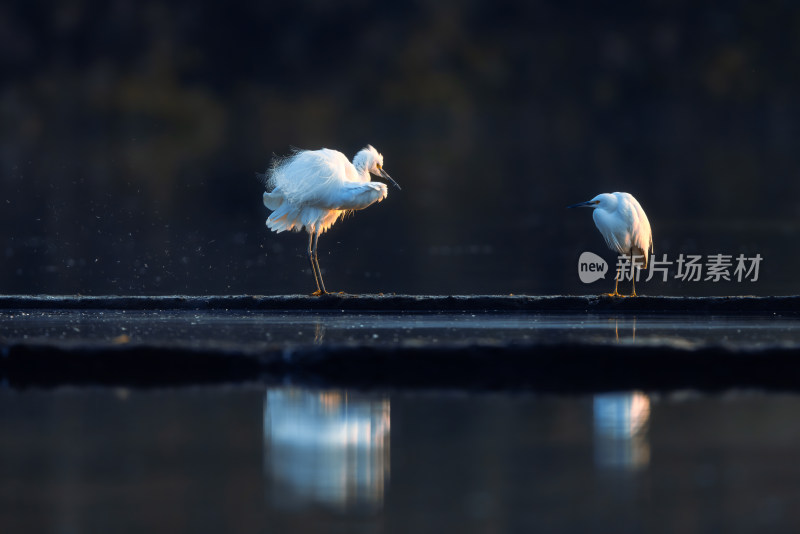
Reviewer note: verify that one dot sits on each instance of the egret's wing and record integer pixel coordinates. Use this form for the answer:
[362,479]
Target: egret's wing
[641,237]
[309,177]
[612,229]
[357,195]
[642,234]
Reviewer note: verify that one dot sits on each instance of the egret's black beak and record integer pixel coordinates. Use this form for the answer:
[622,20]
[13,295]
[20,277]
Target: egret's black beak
[385,175]
[587,204]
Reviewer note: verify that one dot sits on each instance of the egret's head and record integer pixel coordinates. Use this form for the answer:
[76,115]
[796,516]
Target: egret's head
[605,201]
[371,160]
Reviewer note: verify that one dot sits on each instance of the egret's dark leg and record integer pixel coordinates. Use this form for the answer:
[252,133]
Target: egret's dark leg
[320,283]
[633,276]
[311,261]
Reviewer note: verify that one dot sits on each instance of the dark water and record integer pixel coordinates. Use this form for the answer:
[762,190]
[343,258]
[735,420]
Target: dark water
[252,330]
[250,458]
[247,459]
[131,136]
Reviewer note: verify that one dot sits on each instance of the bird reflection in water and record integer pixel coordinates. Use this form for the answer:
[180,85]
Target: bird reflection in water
[328,448]
[319,333]
[626,324]
[620,430]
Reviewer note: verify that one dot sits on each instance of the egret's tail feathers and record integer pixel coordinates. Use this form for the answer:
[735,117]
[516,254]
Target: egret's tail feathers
[640,257]
[284,217]
[314,220]
[287,216]
[273,200]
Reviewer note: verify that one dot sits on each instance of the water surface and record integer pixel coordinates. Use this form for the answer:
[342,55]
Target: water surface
[256,330]
[287,459]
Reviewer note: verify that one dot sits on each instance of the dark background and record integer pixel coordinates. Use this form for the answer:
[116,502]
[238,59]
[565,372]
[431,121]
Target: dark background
[130,133]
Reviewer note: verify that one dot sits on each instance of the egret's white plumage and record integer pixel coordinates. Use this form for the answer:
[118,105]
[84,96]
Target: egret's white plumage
[624,226]
[311,189]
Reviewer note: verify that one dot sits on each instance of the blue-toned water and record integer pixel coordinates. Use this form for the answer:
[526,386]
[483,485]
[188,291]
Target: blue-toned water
[253,330]
[281,458]
[248,459]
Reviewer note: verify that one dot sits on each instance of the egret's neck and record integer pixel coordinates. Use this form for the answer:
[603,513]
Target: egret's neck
[361,168]
[360,163]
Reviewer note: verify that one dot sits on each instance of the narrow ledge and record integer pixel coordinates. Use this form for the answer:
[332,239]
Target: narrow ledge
[734,305]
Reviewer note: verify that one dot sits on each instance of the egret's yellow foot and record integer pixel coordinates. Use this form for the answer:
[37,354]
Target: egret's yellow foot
[319,293]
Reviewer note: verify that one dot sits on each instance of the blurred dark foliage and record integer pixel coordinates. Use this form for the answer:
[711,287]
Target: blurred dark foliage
[131,132]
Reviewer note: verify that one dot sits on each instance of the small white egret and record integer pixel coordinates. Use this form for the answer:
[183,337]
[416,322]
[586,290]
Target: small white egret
[624,226]
[311,189]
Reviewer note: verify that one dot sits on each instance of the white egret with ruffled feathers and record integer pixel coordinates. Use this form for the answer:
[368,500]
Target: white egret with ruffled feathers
[312,189]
